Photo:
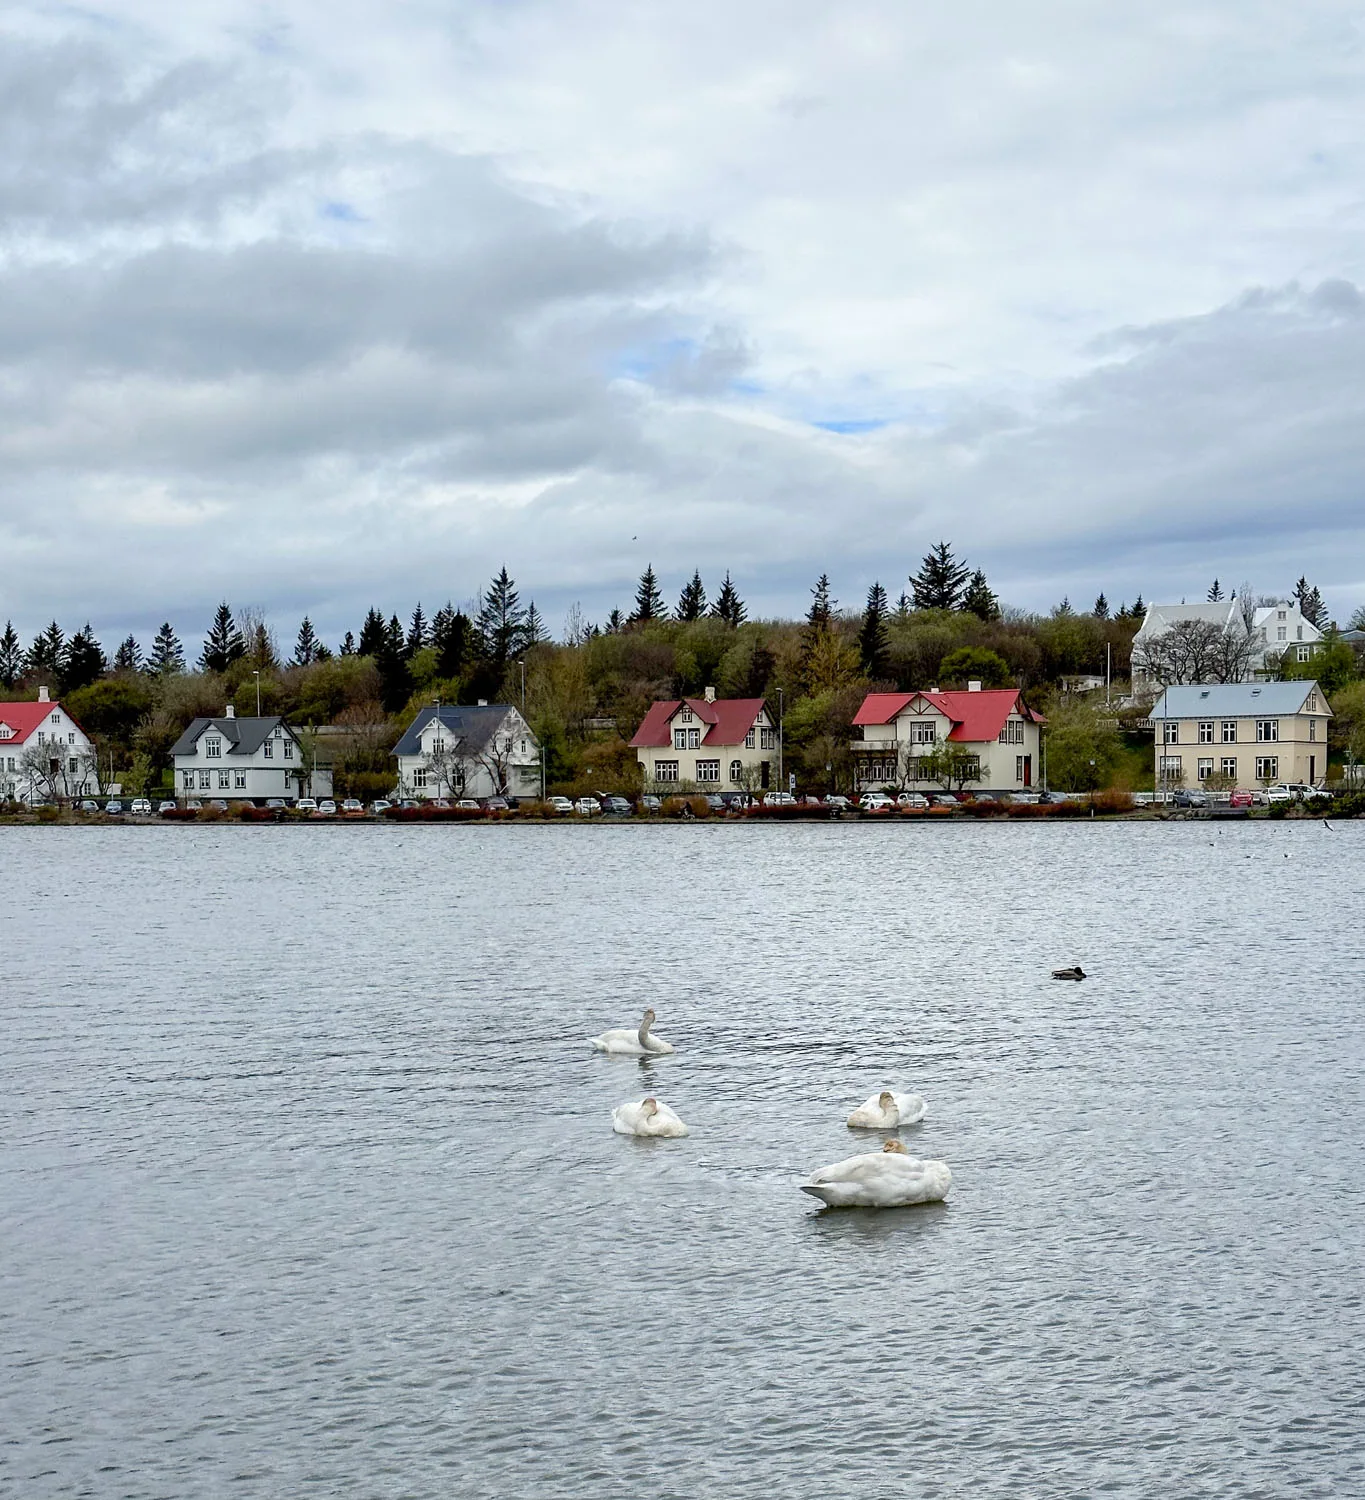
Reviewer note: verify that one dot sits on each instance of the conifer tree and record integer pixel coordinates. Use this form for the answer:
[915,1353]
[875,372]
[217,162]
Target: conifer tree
[938,584]
[649,602]
[1063,610]
[372,635]
[168,655]
[872,637]
[11,656]
[692,600]
[1215,591]
[45,655]
[84,661]
[128,657]
[614,622]
[395,681]
[224,644]
[348,645]
[903,606]
[979,600]
[417,631]
[307,647]
[1310,603]
[452,636]
[501,622]
[729,606]
[1101,609]
[1138,610]
[534,632]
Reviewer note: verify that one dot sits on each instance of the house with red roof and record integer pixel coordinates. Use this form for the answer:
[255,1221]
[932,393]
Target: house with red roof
[992,740]
[44,754]
[708,744]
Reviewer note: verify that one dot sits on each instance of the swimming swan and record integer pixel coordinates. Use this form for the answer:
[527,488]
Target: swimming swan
[889,1178]
[648,1117]
[885,1111]
[626,1043]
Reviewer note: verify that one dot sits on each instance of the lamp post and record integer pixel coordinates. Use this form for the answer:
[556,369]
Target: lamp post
[255,672]
[437,701]
[781,715]
[522,665]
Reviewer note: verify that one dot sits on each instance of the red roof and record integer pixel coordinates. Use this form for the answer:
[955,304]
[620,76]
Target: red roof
[24,718]
[976,716]
[729,720]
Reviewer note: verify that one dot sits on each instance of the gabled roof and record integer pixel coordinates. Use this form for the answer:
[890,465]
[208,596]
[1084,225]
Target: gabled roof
[1233,700]
[470,725]
[24,718]
[1159,618]
[727,721]
[243,736]
[976,716]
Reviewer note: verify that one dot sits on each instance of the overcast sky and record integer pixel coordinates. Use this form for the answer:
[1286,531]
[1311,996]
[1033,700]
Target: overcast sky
[316,305]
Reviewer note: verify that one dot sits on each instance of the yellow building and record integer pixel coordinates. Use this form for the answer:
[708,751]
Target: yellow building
[1241,735]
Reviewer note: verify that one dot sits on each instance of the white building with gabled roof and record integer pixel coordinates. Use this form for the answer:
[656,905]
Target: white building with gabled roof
[245,759]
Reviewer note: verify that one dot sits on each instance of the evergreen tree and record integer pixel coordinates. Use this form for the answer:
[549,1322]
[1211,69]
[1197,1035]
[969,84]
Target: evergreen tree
[168,655]
[938,584]
[84,662]
[307,648]
[1063,610]
[821,611]
[417,631]
[46,653]
[1101,609]
[372,635]
[395,681]
[614,622]
[348,645]
[501,623]
[1215,591]
[128,657]
[1310,603]
[1122,611]
[872,638]
[224,644]
[452,636]
[729,606]
[649,602]
[11,656]
[534,632]
[979,600]
[903,606]
[692,600]
[1139,609]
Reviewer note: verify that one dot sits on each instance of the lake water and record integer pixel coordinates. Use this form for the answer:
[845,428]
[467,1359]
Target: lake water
[309,1187]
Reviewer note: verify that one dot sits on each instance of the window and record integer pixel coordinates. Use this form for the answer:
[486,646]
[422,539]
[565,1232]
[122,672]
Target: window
[268,750]
[693,739]
[1267,730]
[56,718]
[1298,635]
[1171,765]
[1020,761]
[708,770]
[223,779]
[1312,729]
[6,733]
[1170,732]
[189,781]
[1206,732]
[750,738]
[213,747]
[767,739]
[1281,615]
[1230,767]
[1281,633]
[1013,732]
[71,738]
[1229,731]
[239,779]
[12,766]
[686,739]
[925,733]
[1267,768]
[1205,767]
[71,765]
[737,771]
[971,768]
[419,776]
[42,738]
[665,770]
[1303,652]
[686,716]
[204,781]
[289,749]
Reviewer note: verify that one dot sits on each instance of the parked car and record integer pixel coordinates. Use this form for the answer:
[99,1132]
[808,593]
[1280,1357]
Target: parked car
[140,807]
[1304,792]
[217,804]
[167,805]
[779,799]
[441,802]
[618,807]
[87,806]
[912,799]
[380,805]
[736,801]
[413,802]
[1027,799]
[945,799]
[352,805]
[587,806]
[875,802]
[1190,797]
[470,804]
[306,805]
[495,804]
[193,805]
[981,797]
[114,809]
[650,803]
[811,801]
[1241,799]
[563,804]
[835,800]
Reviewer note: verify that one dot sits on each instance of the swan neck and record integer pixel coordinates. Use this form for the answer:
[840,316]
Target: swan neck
[644,1031]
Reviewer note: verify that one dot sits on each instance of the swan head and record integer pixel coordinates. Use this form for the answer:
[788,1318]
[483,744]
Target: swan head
[650,1106]
[886,1099]
[895,1148]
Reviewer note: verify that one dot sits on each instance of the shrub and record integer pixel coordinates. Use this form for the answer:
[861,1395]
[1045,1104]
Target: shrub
[48,814]
[1027,810]
[985,809]
[1113,801]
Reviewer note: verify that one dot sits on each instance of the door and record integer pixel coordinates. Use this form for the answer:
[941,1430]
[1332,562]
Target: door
[1027,776]
[1312,770]
[764,780]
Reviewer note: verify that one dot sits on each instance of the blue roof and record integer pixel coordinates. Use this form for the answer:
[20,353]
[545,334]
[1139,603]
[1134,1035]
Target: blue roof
[473,725]
[1232,700]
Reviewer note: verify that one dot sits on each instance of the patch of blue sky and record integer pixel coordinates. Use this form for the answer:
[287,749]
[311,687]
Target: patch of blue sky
[852,425]
[648,360]
[341,213]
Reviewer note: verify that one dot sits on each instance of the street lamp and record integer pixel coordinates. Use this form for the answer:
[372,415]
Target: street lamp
[781,715]
[522,665]
[255,672]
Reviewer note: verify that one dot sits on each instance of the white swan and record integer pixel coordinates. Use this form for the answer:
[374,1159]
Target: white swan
[885,1111]
[889,1178]
[626,1043]
[648,1117]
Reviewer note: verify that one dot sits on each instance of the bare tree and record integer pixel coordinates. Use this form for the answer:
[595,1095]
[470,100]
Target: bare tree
[54,775]
[496,759]
[1195,651]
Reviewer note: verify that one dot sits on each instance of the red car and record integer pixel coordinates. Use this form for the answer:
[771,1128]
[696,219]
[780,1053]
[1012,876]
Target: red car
[1241,799]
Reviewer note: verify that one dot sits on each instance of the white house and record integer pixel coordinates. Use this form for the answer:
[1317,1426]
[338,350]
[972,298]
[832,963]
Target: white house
[708,743]
[245,759]
[463,750]
[1170,647]
[44,754]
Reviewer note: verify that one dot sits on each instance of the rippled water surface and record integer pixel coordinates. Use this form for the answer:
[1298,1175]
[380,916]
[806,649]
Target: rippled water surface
[308,1184]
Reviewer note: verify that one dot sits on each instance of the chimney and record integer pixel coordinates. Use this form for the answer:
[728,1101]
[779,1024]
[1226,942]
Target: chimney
[483,702]
[229,712]
[42,696]
[973,687]
[710,695]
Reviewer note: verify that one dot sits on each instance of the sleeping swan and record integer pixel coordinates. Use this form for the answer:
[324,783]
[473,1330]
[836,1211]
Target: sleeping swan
[648,1117]
[885,1111]
[888,1178]
[627,1043]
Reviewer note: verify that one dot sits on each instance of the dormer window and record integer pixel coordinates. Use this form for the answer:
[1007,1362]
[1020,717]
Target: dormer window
[213,747]
[686,716]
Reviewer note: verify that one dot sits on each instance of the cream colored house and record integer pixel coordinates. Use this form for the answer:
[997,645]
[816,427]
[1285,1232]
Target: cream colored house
[1241,735]
[708,743]
[996,734]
